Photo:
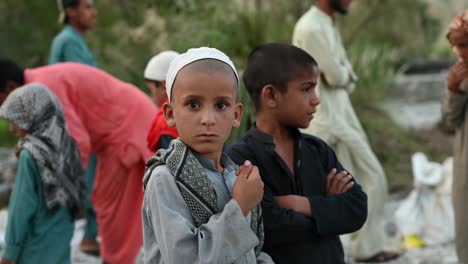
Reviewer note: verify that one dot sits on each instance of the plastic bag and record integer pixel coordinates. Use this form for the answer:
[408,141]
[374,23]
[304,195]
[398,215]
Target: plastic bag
[427,212]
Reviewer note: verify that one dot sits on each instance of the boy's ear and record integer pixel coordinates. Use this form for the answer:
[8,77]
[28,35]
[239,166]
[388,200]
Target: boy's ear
[238,115]
[269,96]
[169,114]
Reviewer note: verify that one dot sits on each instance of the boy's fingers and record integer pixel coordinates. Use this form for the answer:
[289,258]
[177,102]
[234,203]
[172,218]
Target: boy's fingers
[244,171]
[337,181]
[254,173]
[347,187]
[247,163]
[344,178]
[330,176]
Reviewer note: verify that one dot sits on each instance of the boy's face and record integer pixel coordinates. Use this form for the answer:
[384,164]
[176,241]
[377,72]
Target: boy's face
[296,107]
[158,91]
[204,109]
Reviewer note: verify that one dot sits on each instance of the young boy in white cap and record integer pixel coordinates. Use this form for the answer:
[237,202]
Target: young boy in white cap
[160,134]
[199,207]
[155,75]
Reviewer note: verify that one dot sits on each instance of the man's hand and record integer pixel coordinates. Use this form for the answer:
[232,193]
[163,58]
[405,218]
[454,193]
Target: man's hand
[338,183]
[457,73]
[296,203]
[248,188]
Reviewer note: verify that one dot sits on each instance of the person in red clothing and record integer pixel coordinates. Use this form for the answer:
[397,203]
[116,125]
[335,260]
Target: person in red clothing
[109,117]
[160,134]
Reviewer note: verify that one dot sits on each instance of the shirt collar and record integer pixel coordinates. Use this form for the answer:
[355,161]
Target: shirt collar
[73,30]
[226,162]
[267,139]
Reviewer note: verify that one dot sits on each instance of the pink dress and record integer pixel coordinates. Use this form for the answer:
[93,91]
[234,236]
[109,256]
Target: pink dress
[111,118]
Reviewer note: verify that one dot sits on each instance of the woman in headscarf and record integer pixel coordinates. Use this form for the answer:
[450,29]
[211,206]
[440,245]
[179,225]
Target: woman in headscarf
[455,115]
[49,189]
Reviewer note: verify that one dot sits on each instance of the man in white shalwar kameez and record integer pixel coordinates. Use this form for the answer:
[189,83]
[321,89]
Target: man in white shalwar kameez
[337,124]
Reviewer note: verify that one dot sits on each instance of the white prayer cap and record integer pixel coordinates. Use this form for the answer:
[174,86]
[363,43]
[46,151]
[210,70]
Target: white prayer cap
[193,55]
[157,67]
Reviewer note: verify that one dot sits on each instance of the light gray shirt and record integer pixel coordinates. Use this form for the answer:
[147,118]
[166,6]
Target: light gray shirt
[170,235]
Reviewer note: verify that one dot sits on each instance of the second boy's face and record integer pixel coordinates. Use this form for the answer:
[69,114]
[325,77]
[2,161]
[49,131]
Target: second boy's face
[204,110]
[158,92]
[299,104]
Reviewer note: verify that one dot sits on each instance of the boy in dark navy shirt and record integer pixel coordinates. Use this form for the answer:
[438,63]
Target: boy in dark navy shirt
[309,199]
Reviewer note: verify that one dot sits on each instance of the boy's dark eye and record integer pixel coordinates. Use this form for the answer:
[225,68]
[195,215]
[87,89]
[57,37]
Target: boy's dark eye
[221,105]
[193,105]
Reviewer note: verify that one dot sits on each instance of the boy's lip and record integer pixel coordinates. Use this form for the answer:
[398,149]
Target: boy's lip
[207,135]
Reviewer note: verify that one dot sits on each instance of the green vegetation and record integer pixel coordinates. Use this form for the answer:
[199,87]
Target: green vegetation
[128,33]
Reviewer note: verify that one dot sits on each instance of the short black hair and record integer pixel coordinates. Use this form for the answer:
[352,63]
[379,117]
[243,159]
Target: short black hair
[66,4]
[275,64]
[10,71]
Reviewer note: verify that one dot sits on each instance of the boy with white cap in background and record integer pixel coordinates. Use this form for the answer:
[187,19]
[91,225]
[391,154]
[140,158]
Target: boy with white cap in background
[200,207]
[160,134]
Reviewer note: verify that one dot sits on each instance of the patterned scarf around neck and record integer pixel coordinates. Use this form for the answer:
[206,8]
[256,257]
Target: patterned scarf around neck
[36,110]
[195,187]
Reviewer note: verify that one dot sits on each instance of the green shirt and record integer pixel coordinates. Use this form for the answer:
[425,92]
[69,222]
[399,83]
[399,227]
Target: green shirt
[70,46]
[35,235]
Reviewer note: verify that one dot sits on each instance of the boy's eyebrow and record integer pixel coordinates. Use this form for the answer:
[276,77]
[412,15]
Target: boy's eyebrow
[192,96]
[309,83]
[199,97]
[225,98]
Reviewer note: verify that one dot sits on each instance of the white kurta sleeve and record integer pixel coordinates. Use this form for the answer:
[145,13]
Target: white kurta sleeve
[224,239]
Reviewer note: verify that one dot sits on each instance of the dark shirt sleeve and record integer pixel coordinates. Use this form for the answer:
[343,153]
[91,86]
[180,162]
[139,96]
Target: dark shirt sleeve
[342,213]
[283,226]
[164,141]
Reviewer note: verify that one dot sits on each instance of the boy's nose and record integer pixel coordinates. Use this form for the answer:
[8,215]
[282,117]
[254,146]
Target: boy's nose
[208,118]
[314,99]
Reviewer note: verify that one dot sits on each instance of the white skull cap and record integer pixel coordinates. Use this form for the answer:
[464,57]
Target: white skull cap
[192,55]
[157,67]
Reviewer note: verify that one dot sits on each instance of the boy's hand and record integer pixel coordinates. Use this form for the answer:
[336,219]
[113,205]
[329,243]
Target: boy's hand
[338,183]
[457,73]
[248,188]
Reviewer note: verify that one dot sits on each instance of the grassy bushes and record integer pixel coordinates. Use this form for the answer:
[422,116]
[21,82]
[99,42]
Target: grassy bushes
[7,139]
